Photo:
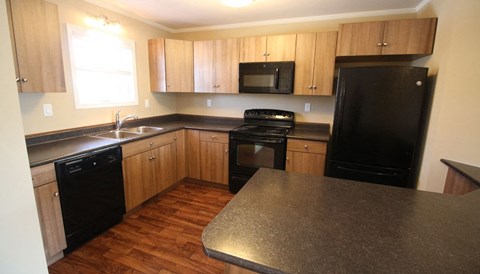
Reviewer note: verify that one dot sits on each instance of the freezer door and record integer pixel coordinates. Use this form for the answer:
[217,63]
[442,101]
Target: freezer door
[378,116]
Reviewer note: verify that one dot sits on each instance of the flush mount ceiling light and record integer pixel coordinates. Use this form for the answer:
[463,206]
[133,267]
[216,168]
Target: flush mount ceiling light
[236,3]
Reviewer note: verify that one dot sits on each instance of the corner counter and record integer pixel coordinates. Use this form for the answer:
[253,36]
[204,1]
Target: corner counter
[283,222]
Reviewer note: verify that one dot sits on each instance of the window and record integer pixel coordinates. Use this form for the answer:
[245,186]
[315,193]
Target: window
[103,68]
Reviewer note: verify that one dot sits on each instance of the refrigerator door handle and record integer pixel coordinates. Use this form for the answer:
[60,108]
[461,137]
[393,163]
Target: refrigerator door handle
[367,172]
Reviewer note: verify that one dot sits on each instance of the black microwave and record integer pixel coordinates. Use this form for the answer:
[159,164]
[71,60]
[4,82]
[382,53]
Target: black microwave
[266,77]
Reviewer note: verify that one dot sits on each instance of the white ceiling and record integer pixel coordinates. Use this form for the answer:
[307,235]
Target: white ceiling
[188,15]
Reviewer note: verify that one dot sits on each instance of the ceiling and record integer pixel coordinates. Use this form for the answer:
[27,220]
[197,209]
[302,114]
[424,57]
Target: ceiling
[188,15]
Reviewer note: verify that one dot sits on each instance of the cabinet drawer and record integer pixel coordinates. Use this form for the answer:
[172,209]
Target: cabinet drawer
[307,146]
[43,174]
[214,136]
[147,144]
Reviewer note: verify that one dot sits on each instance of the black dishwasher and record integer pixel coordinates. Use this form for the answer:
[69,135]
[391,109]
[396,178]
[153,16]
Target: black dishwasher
[91,194]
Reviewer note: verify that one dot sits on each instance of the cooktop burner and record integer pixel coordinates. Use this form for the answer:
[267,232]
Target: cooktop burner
[266,122]
[261,130]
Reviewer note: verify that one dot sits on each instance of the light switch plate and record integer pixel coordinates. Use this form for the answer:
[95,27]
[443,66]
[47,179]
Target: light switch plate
[147,103]
[47,110]
[307,107]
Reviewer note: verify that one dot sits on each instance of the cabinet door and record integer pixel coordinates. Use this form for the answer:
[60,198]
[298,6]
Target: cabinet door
[137,178]
[179,65]
[253,49]
[304,63]
[412,36]
[214,162]
[50,215]
[281,48]
[325,46]
[37,46]
[227,54]
[309,163]
[164,167]
[192,151]
[204,66]
[181,154]
[156,62]
[360,39]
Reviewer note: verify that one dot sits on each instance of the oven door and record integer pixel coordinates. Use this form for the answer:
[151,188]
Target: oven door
[248,154]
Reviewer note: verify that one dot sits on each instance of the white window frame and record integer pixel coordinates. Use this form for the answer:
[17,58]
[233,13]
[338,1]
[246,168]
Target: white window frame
[102,93]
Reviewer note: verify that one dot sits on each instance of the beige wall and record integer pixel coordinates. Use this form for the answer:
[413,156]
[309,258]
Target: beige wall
[65,114]
[454,128]
[21,248]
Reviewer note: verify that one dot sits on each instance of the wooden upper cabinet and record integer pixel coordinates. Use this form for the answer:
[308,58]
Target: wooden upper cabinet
[315,63]
[400,37]
[171,65]
[204,66]
[216,66]
[37,47]
[409,36]
[273,48]
[179,65]
[227,54]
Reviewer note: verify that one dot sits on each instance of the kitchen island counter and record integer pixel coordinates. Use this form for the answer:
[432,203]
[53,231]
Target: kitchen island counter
[284,222]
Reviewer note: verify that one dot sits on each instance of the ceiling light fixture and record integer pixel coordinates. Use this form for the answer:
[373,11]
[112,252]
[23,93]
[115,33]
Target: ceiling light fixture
[236,3]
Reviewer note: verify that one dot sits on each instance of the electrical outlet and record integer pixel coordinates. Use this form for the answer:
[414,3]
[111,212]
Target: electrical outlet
[147,103]
[209,103]
[307,107]
[47,110]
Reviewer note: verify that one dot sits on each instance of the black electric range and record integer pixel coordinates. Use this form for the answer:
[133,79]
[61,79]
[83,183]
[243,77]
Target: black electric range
[260,142]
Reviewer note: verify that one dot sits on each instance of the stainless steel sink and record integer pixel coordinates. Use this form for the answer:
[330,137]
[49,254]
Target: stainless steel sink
[127,133]
[116,134]
[142,129]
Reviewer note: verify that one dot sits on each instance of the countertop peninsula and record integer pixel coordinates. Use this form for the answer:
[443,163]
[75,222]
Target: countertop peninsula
[283,222]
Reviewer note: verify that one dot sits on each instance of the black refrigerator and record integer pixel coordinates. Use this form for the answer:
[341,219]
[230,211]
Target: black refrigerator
[378,125]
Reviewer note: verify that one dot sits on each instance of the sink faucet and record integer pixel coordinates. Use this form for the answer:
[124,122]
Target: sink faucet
[119,122]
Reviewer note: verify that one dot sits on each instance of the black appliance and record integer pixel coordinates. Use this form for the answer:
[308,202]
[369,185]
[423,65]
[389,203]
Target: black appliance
[266,77]
[378,124]
[91,194]
[260,142]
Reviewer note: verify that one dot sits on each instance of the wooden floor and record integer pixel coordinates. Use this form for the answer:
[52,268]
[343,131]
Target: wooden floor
[163,237]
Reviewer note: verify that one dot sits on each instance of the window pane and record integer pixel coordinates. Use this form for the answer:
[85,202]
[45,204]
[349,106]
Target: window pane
[103,68]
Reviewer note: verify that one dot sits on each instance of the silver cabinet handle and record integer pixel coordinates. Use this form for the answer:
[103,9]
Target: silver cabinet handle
[56,194]
[314,87]
[25,79]
[385,44]
[306,146]
[17,79]
[168,85]
[310,87]
[151,144]
[379,44]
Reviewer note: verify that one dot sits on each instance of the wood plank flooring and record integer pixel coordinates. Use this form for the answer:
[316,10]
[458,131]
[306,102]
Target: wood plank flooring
[162,237]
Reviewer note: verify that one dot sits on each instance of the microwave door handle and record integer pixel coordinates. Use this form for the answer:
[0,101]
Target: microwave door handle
[277,78]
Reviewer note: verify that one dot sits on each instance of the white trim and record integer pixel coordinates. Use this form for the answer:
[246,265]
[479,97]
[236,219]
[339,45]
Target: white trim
[422,5]
[302,19]
[121,11]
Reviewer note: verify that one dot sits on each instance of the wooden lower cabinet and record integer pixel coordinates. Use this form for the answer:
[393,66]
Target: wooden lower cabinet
[305,156]
[149,167]
[207,156]
[49,211]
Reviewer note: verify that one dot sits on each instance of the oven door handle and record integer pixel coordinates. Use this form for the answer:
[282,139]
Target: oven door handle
[269,140]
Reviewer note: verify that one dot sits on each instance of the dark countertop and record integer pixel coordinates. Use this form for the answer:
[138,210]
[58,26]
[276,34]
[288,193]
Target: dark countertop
[470,172]
[44,153]
[314,132]
[48,149]
[283,222]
